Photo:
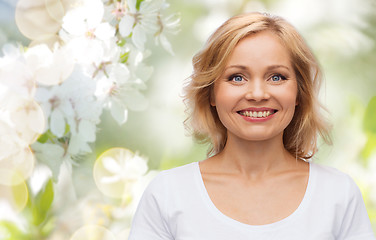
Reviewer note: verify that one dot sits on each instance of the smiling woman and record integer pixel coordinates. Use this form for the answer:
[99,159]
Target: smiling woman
[211,62]
[253,98]
[258,79]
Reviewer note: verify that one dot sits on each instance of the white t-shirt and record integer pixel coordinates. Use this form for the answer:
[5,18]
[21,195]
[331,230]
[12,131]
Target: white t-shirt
[176,206]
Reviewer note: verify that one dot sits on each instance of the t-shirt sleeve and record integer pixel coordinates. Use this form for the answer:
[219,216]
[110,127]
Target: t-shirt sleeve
[356,224]
[150,219]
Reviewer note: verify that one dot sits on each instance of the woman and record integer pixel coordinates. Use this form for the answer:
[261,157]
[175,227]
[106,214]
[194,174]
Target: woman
[253,98]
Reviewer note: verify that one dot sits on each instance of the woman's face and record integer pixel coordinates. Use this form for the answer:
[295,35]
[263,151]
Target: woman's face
[256,95]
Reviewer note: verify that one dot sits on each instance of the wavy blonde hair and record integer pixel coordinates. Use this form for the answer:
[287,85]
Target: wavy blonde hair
[300,136]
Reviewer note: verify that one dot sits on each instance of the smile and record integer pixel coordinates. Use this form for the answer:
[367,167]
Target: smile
[257,114]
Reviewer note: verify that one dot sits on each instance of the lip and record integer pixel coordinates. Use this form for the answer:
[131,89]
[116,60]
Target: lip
[254,119]
[257,109]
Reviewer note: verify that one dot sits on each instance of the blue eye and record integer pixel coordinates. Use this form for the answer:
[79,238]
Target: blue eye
[236,78]
[277,78]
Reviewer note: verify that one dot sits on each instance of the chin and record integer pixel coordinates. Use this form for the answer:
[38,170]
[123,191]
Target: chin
[256,136]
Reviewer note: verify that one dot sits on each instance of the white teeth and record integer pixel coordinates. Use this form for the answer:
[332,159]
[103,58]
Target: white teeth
[255,114]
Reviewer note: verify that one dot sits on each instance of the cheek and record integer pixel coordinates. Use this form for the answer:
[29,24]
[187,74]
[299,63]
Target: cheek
[292,101]
[290,95]
[224,100]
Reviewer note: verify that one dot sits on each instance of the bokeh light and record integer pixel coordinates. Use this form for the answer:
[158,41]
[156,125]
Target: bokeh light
[93,232]
[20,160]
[37,22]
[117,170]
[28,119]
[13,189]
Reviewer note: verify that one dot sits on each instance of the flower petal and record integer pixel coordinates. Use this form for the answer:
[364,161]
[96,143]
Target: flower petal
[104,31]
[119,112]
[87,130]
[166,44]
[134,100]
[119,73]
[126,25]
[57,123]
[139,37]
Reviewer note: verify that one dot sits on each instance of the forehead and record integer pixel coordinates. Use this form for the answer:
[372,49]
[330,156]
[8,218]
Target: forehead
[260,49]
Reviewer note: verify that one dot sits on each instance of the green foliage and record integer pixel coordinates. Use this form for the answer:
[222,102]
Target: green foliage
[197,153]
[42,203]
[369,122]
[369,126]
[138,4]
[124,57]
[46,136]
[37,213]
[371,208]
[10,231]
[121,43]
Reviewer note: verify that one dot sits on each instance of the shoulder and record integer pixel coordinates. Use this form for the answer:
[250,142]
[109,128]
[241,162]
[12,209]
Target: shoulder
[177,173]
[339,195]
[168,189]
[335,182]
[160,201]
[330,173]
[172,179]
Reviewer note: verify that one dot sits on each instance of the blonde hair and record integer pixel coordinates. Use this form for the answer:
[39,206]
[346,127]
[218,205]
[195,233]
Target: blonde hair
[300,136]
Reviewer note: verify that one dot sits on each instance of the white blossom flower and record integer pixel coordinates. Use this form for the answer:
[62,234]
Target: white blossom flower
[108,89]
[53,94]
[15,75]
[140,21]
[9,138]
[52,155]
[84,31]
[26,117]
[140,72]
[49,67]
[119,93]
[57,108]
[116,84]
[114,11]
[102,66]
[169,25]
[72,104]
[15,154]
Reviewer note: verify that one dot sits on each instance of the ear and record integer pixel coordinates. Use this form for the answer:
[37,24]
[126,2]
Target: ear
[212,99]
[212,102]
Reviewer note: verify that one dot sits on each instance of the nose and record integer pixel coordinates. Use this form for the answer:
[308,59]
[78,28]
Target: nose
[257,90]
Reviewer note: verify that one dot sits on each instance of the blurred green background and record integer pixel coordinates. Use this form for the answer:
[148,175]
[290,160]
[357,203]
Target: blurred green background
[341,33]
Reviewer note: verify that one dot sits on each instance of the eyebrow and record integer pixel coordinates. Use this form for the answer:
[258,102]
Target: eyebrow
[237,66]
[269,67]
[278,66]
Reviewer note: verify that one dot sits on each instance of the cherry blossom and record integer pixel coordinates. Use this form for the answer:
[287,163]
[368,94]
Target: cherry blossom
[140,21]
[15,75]
[49,67]
[53,93]
[84,31]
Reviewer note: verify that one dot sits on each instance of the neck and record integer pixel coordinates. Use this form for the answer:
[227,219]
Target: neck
[255,158]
